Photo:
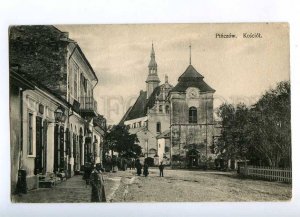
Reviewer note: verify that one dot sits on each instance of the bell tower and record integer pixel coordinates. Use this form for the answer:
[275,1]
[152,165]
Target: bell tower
[152,79]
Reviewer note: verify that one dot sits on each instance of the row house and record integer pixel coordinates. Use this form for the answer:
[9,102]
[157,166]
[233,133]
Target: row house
[60,128]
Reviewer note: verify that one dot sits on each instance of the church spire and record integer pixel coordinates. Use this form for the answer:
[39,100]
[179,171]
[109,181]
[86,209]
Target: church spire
[152,79]
[152,64]
[152,52]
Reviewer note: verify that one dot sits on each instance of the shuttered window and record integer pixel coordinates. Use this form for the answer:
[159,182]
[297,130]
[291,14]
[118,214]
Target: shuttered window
[30,134]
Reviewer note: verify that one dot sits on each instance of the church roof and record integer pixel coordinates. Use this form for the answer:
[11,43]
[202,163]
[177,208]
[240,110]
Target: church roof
[190,73]
[152,63]
[125,116]
[138,110]
[191,78]
[152,98]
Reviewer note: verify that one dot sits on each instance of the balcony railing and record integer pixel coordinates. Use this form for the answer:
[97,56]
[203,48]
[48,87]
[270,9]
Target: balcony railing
[100,121]
[88,106]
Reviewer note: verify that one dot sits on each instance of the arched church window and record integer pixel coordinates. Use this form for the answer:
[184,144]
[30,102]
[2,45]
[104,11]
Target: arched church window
[158,127]
[160,108]
[152,151]
[167,109]
[192,115]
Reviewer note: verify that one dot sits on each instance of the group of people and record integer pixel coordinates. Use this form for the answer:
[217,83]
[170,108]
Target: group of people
[139,167]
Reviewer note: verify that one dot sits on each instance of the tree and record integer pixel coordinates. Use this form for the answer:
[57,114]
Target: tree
[261,133]
[118,139]
[234,141]
[271,126]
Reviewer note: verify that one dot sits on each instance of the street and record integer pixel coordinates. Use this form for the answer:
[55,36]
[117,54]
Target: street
[176,186]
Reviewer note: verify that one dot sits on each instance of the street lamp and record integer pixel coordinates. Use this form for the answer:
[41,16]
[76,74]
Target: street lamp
[59,115]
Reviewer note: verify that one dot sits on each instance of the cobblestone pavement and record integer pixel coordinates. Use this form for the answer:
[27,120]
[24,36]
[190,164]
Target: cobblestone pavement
[73,190]
[197,186]
[175,186]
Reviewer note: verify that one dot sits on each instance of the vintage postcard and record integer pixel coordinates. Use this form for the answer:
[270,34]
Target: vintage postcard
[150,113]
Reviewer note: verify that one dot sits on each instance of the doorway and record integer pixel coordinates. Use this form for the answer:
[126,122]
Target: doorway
[192,158]
[41,146]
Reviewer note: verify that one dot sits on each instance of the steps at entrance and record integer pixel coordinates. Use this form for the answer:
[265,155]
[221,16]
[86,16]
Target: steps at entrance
[49,181]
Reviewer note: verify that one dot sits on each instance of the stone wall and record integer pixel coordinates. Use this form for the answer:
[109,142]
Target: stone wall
[15,133]
[41,52]
[187,136]
[153,119]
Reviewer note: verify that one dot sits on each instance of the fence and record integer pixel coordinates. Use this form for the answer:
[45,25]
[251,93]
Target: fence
[268,173]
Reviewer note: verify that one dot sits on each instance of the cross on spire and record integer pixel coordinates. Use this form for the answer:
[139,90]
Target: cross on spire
[190,54]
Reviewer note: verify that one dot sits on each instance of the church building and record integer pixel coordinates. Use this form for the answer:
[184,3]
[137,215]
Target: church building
[181,115]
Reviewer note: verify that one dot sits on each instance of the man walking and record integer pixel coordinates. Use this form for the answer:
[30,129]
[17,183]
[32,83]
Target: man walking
[161,169]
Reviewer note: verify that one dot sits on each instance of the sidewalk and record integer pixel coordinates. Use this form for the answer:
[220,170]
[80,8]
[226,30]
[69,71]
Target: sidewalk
[73,190]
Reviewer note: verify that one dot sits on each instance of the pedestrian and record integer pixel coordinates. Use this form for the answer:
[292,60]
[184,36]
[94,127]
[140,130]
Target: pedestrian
[125,165]
[161,169]
[146,172]
[138,167]
[132,164]
[97,183]
[87,173]
[99,167]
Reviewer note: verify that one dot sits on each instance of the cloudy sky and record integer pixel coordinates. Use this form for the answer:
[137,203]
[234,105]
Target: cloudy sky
[239,69]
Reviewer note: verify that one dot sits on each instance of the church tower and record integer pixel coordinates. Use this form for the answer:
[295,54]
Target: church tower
[152,79]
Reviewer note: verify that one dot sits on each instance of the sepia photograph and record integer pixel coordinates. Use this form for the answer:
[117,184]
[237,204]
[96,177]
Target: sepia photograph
[122,113]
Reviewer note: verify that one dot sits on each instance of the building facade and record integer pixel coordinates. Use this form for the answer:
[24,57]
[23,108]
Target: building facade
[191,126]
[18,84]
[174,124]
[61,127]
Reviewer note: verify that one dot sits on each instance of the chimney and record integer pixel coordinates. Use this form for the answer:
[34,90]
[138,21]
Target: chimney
[166,78]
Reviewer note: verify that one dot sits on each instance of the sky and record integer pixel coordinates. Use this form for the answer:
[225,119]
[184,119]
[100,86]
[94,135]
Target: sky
[239,69]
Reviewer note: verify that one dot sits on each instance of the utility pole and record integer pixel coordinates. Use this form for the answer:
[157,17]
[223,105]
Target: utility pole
[171,140]
[147,148]
[206,126]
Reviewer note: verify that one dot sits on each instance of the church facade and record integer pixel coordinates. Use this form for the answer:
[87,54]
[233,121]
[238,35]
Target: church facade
[174,124]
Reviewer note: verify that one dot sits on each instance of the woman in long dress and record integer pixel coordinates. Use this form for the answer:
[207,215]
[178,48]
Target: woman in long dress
[97,183]
[138,167]
[146,172]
